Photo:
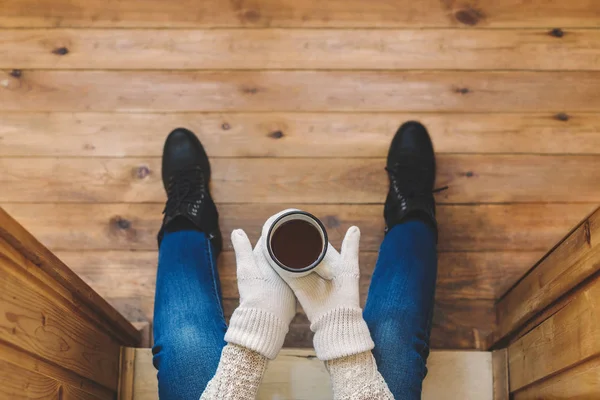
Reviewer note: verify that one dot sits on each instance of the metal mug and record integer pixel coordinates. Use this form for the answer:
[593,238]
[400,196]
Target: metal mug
[292,216]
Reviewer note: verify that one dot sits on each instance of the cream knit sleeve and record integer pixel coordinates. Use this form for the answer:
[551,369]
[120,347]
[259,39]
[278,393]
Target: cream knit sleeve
[356,378]
[238,375]
[241,370]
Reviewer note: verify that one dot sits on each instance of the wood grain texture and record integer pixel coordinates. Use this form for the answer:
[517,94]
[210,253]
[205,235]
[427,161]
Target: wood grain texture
[21,384]
[529,227]
[581,382]
[457,324]
[127,280]
[292,135]
[297,374]
[461,275]
[500,374]
[462,324]
[299,49]
[575,259]
[470,178]
[569,337]
[308,13]
[17,358]
[460,91]
[145,383]
[33,320]
[56,292]
[126,374]
[32,251]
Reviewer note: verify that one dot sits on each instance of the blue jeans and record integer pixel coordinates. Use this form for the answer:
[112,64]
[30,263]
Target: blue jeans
[189,326]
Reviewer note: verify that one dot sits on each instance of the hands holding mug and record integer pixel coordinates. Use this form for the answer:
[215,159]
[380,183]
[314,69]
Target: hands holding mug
[325,282]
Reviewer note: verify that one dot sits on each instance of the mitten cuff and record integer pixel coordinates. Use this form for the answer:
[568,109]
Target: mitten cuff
[340,333]
[257,330]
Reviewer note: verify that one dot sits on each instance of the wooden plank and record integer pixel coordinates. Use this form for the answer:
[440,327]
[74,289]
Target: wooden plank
[460,91]
[32,319]
[570,336]
[14,357]
[127,280]
[470,178]
[15,235]
[500,374]
[461,275]
[54,290]
[298,374]
[462,324]
[308,13]
[581,382]
[299,49]
[462,318]
[145,383]
[530,227]
[457,324]
[576,258]
[18,383]
[292,135]
[126,373]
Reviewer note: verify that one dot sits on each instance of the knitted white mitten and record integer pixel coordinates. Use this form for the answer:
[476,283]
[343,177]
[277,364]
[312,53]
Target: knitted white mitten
[267,304]
[331,300]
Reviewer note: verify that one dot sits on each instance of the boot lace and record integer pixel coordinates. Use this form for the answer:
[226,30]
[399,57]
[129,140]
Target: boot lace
[409,177]
[185,187]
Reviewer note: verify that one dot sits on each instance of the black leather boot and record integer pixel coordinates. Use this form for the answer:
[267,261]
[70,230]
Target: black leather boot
[411,170]
[186,177]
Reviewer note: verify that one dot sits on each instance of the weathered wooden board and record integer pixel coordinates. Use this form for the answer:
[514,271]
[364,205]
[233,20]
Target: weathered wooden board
[351,91]
[459,49]
[470,179]
[580,382]
[569,337]
[305,13]
[32,319]
[575,259]
[461,275]
[356,135]
[21,384]
[127,280]
[505,227]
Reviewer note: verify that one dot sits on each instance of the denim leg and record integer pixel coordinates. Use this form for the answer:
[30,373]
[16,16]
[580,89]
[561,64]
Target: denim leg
[400,306]
[188,316]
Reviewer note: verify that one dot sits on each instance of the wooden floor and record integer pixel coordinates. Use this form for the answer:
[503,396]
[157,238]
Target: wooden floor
[296,103]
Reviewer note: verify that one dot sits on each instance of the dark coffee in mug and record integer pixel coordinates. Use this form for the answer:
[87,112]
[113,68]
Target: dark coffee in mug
[297,244]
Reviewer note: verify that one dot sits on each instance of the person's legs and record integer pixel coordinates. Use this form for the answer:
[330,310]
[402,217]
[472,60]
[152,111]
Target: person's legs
[400,305]
[188,318]
[400,302]
[189,327]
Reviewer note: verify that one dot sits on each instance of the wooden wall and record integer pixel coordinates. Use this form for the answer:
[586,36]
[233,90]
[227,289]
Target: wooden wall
[58,338]
[551,320]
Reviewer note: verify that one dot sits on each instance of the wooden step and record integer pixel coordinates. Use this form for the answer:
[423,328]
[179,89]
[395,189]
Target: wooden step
[298,375]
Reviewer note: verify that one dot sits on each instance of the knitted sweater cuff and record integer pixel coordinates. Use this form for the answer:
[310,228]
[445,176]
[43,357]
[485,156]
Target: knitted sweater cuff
[257,330]
[341,332]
